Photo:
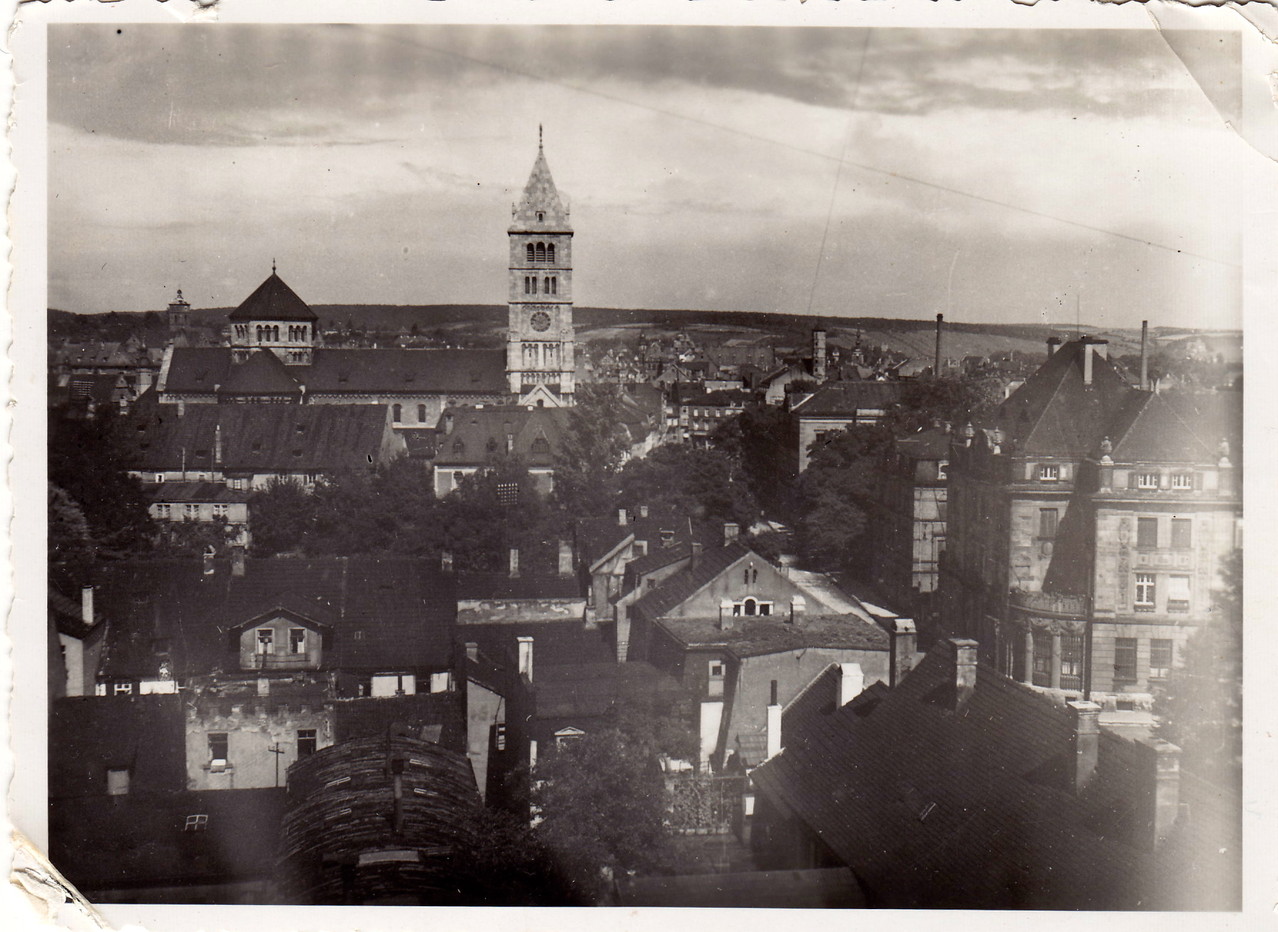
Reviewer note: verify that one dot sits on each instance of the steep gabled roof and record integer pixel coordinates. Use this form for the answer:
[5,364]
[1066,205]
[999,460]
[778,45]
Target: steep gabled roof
[1155,429]
[845,399]
[273,300]
[480,433]
[540,195]
[1055,414]
[683,585]
[756,636]
[390,612]
[262,373]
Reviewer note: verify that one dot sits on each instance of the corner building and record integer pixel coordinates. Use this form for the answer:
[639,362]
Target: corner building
[1088,527]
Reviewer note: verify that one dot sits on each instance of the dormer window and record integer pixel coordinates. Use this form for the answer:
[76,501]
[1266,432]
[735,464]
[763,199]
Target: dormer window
[1147,480]
[1182,481]
[1049,472]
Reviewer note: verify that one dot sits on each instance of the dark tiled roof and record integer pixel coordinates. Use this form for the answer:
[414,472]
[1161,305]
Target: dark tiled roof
[436,717]
[685,394]
[555,643]
[478,434]
[1156,429]
[177,492]
[686,583]
[656,559]
[753,636]
[541,195]
[596,690]
[931,444]
[273,300]
[844,399]
[385,613]
[139,841]
[195,370]
[1055,414]
[596,537]
[88,735]
[909,795]
[67,615]
[262,438]
[263,373]
[504,587]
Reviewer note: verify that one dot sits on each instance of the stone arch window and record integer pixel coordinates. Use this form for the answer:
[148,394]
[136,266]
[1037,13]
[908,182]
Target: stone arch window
[541,252]
[532,253]
[541,446]
[547,285]
[550,253]
[259,333]
[750,607]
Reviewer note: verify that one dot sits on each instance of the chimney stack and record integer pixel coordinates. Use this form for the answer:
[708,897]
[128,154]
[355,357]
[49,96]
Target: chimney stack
[904,642]
[1085,718]
[621,517]
[964,672]
[936,366]
[725,615]
[237,561]
[851,682]
[731,531]
[696,554]
[263,686]
[643,511]
[217,445]
[1091,349]
[798,605]
[446,561]
[448,423]
[818,354]
[774,725]
[86,605]
[1144,355]
[472,651]
[514,562]
[1053,344]
[565,558]
[525,657]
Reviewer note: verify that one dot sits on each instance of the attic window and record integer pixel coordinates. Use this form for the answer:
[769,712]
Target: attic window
[297,451]
[301,428]
[257,446]
[198,822]
[540,216]
[459,446]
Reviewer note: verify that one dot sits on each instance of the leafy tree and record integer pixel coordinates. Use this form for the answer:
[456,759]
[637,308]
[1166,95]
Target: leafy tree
[1200,707]
[956,401]
[705,484]
[507,865]
[602,804]
[593,449]
[191,538]
[764,440]
[282,518]
[837,492]
[70,542]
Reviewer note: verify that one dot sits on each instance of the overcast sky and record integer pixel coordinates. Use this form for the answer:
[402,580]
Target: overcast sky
[990,175]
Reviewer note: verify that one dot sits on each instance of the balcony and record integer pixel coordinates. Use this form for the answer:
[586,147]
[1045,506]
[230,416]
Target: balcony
[278,662]
[1051,604]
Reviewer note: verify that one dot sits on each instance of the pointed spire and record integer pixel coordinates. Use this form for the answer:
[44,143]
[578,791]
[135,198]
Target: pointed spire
[272,265]
[538,137]
[540,207]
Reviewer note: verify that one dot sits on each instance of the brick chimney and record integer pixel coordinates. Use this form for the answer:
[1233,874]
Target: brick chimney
[696,555]
[1091,349]
[798,606]
[964,654]
[86,605]
[774,724]
[731,531]
[1144,355]
[936,364]
[565,558]
[1053,344]
[818,354]
[237,561]
[725,615]
[514,562]
[1085,719]
[851,682]
[643,511]
[621,517]
[904,642]
[525,657]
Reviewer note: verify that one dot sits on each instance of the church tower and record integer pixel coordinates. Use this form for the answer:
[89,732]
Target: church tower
[539,339]
[274,318]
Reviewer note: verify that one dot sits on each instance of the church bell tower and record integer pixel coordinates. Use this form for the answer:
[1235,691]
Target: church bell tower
[539,339]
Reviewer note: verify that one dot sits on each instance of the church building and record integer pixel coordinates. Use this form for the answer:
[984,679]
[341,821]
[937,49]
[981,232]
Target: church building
[274,354]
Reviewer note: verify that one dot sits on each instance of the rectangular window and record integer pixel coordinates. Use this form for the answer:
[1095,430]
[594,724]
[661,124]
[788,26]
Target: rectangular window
[297,640]
[191,512]
[117,781]
[265,641]
[1124,661]
[164,511]
[1049,472]
[1147,480]
[716,678]
[1160,658]
[1182,533]
[220,511]
[1145,592]
[217,750]
[1047,519]
[196,823]
[1042,658]
[1071,661]
[1146,533]
[1182,481]
[1177,593]
[305,742]
[159,477]
[123,689]
[441,682]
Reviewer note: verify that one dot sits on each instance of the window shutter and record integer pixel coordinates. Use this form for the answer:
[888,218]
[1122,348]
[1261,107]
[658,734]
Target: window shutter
[1131,479]
[1198,481]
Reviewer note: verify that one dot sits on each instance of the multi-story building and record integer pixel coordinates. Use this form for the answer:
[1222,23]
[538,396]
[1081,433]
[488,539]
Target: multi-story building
[1087,527]
[839,405]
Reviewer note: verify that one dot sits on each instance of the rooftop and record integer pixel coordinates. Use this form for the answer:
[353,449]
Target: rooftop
[273,300]
[755,636]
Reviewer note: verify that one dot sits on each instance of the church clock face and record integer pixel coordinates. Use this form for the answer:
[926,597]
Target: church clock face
[540,321]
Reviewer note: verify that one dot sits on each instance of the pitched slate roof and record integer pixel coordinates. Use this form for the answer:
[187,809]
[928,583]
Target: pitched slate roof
[683,585]
[931,444]
[390,612]
[179,492]
[263,438]
[555,643]
[89,734]
[540,194]
[480,433]
[755,636]
[196,370]
[1154,428]
[844,399]
[1055,414]
[596,690]
[910,795]
[436,717]
[138,840]
[503,586]
[273,300]
[598,536]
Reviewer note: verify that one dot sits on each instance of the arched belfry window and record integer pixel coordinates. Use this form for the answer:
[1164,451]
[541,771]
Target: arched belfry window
[541,252]
[550,253]
[548,291]
[532,253]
